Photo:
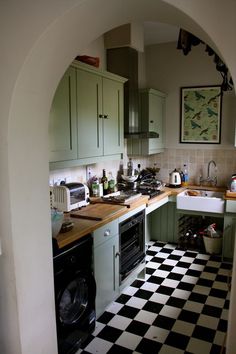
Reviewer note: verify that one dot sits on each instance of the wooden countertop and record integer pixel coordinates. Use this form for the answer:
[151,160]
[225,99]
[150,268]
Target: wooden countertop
[83,227]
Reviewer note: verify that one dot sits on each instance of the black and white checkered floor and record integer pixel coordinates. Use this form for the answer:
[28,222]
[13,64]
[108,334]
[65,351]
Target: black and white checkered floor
[181,307]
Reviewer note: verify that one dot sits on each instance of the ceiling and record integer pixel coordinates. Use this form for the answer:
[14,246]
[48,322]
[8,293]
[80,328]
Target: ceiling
[157,32]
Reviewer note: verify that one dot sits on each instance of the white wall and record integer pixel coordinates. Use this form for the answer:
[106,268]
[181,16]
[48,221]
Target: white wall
[168,69]
[39,41]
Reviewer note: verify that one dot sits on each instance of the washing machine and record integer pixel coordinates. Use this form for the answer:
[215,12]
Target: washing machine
[75,292]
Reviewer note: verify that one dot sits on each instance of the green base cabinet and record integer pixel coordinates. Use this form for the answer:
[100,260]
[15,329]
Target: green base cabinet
[163,223]
[229,236]
[106,265]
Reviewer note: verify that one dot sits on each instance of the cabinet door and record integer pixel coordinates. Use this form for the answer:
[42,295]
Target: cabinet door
[89,108]
[163,223]
[152,114]
[113,119]
[229,236]
[62,120]
[106,271]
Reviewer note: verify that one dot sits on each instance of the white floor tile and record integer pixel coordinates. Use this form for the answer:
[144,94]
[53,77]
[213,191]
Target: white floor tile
[208,321]
[130,290]
[120,322]
[203,256]
[159,298]
[209,276]
[155,249]
[157,334]
[145,317]
[189,279]
[170,283]
[198,267]
[167,349]
[136,302]
[201,289]
[178,253]
[219,338]
[193,306]
[197,346]
[150,286]
[98,346]
[215,301]
[181,294]
[220,285]
[128,340]
[169,311]
[98,328]
[187,259]
[161,273]
[179,270]
[153,265]
[114,307]
[183,328]
[162,255]
[170,262]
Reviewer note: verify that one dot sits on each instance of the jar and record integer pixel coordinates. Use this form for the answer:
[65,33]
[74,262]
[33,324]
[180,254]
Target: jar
[233,185]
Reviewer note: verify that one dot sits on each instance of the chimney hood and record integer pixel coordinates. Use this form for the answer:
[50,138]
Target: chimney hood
[124,61]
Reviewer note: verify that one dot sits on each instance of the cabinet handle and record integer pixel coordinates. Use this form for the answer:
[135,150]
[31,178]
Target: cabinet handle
[117,254]
[107,232]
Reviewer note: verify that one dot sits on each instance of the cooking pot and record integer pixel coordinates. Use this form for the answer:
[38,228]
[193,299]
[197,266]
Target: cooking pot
[175,179]
[129,176]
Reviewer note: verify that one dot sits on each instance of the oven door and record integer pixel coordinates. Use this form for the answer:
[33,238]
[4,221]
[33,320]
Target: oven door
[132,243]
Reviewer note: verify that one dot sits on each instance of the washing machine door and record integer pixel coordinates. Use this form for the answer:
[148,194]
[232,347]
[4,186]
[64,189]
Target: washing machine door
[73,301]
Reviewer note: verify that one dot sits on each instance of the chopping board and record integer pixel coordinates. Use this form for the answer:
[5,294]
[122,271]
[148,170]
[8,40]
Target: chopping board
[97,211]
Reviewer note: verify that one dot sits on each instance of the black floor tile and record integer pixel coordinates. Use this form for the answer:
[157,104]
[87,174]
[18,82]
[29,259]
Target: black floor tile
[190,254]
[205,282]
[117,349]
[165,290]
[155,280]
[123,298]
[218,293]
[175,276]
[193,273]
[137,328]
[208,269]
[166,267]
[157,260]
[183,264]
[174,257]
[222,325]
[212,311]
[152,307]
[164,322]
[150,270]
[147,346]
[137,283]
[110,334]
[176,302]
[198,297]
[188,316]
[106,317]
[128,311]
[204,333]
[177,340]
[185,286]
[143,294]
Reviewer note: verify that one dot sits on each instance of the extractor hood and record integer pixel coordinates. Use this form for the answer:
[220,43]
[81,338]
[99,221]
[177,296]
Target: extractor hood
[124,61]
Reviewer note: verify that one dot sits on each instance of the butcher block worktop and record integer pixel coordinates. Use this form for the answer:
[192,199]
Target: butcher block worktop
[98,213]
[93,216]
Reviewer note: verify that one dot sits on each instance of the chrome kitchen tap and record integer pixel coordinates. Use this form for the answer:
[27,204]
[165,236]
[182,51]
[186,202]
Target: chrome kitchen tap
[210,179]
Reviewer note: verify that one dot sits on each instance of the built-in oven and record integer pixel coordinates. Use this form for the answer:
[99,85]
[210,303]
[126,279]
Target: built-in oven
[132,243]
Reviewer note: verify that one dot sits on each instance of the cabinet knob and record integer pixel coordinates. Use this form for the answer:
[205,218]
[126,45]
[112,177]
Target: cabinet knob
[100,116]
[107,232]
[151,121]
[117,254]
[105,116]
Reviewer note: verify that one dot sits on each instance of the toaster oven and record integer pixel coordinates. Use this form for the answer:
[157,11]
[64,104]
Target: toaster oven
[69,196]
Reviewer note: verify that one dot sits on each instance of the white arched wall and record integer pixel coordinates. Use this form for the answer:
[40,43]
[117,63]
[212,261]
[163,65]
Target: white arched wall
[57,32]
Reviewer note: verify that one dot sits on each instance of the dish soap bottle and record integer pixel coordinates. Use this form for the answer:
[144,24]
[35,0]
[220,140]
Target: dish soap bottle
[233,184]
[185,176]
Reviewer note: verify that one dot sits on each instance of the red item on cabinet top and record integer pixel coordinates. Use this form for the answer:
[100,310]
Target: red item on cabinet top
[94,61]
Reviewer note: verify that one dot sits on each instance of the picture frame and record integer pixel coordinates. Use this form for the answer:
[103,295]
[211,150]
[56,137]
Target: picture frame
[200,116]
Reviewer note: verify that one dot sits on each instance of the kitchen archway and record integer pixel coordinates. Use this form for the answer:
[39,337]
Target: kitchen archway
[31,99]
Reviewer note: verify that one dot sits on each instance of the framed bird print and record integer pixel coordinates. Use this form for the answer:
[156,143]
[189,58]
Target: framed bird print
[201,115]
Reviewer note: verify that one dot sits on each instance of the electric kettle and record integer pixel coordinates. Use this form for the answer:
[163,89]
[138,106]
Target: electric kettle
[175,179]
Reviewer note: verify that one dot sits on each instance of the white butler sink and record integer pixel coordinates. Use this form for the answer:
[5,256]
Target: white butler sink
[201,200]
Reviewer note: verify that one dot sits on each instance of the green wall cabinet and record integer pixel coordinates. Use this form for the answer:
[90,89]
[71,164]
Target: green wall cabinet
[152,112]
[63,120]
[106,265]
[86,117]
[100,115]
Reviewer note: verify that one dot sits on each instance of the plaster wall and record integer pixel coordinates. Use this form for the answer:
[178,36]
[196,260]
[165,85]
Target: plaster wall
[39,40]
